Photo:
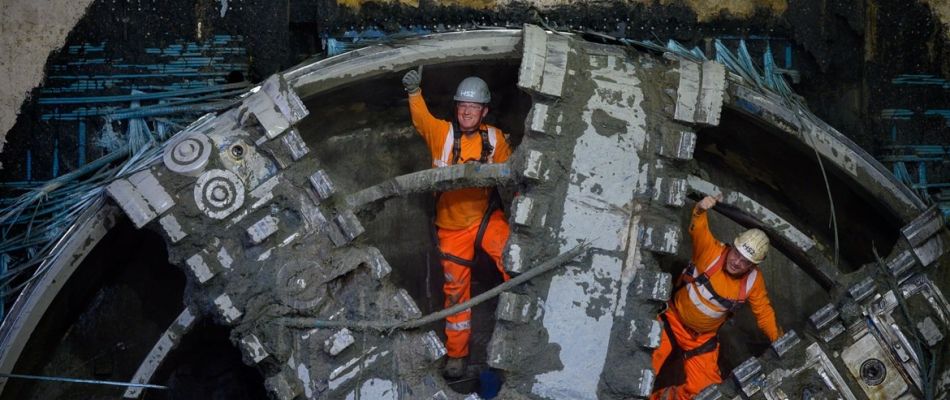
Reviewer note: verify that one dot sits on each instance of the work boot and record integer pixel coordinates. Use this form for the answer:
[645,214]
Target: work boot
[454,368]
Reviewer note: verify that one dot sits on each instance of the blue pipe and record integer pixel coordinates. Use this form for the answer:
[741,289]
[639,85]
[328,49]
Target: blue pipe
[137,76]
[151,112]
[119,113]
[4,259]
[29,165]
[55,157]
[788,56]
[82,143]
[135,97]
[920,80]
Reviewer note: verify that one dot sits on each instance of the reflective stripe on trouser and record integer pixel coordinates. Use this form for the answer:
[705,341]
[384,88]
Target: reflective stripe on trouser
[458,278]
[701,370]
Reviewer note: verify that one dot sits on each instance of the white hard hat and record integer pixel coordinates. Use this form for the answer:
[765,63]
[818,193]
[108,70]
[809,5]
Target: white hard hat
[473,89]
[753,244]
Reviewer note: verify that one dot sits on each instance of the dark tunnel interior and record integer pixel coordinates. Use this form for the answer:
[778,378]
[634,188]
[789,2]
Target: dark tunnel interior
[108,316]
[784,176]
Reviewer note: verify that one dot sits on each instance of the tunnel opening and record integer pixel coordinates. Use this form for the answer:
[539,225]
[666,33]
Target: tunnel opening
[107,318]
[376,141]
[207,366]
[783,175]
[104,320]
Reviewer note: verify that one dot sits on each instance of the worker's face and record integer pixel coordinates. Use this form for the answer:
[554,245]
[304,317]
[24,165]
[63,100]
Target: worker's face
[736,264]
[469,115]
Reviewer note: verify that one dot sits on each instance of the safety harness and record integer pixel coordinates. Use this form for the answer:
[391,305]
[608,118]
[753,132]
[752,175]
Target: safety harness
[488,147]
[704,348]
[494,202]
[452,147]
[701,281]
[699,284]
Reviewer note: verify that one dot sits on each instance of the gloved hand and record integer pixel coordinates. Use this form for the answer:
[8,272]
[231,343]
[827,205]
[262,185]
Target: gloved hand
[412,80]
[709,202]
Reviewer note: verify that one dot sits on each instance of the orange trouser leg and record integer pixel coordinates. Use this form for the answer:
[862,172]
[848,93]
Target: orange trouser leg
[457,288]
[458,327]
[661,353]
[494,239]
[701,370]
[458,278]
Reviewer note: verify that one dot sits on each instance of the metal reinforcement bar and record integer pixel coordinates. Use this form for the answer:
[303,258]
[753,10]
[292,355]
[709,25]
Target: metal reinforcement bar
[381,326]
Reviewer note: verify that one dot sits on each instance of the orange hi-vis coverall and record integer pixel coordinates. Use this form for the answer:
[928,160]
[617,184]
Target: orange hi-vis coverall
[459,214]
[695,314]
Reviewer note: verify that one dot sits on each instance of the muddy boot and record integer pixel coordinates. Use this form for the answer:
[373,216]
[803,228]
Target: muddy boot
[454,368]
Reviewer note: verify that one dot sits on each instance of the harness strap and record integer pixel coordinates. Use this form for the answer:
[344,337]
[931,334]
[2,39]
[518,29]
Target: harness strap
[458,260]
[669,333]
[487,148]
[706,347]
[433,231]
[493,204]
[456,144]
[731,305]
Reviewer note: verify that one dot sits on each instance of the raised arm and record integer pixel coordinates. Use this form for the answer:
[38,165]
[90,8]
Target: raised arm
[703,239]
[428,126]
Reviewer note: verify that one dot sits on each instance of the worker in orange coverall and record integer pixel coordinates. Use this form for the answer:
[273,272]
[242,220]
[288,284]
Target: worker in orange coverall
[465,218]
[719,279]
